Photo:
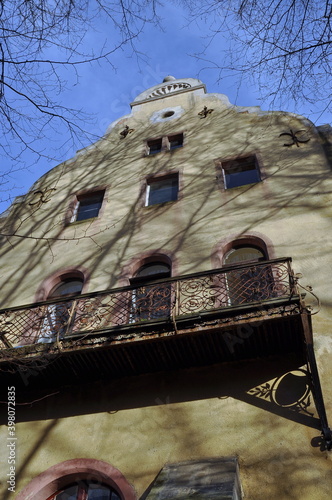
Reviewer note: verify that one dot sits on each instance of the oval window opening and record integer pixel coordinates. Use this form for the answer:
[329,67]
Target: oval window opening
[168,114]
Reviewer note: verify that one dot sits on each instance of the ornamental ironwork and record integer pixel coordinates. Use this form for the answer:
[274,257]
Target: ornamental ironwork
[159,300]
[295,139]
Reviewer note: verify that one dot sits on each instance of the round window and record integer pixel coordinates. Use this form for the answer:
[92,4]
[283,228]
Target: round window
[168,114]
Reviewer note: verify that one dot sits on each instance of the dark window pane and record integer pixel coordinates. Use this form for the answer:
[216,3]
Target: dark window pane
[70,287]
[175,141]
[163,191]
[68,494]
[89,206]
[241,172]
[155,146]
[154,269]
[98,492]
[115,496]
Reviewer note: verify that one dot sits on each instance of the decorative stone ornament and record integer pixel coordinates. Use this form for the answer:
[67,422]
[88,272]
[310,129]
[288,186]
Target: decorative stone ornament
[126,131]
[294,138]
[205,111]
[41,197]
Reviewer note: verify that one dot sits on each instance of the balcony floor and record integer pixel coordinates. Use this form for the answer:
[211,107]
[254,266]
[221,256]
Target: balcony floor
[220,336]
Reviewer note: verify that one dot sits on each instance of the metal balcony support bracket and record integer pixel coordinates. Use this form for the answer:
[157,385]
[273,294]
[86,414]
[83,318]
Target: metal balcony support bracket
[316,386]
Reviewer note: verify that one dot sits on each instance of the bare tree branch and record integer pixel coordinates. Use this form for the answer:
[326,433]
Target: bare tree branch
[283,46]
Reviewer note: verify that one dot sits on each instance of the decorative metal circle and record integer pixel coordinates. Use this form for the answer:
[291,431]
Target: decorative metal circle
[290,389]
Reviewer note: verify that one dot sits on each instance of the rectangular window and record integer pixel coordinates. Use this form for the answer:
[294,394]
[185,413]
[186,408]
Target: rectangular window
[165,143]
[240,172]
[162,189]
[175,141]
[88,206]
[154,146]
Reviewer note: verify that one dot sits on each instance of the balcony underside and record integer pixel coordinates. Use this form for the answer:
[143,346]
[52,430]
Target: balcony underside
[224,335]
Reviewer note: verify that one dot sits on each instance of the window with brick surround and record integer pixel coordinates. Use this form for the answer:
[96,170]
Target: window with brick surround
[240,172]
[87,206]
[165,143]
[162,189]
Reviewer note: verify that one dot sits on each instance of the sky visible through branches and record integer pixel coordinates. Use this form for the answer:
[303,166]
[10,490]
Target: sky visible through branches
[103,91]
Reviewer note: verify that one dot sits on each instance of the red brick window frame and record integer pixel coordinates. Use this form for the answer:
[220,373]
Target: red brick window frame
[86,205]
[240,171]
[58,477]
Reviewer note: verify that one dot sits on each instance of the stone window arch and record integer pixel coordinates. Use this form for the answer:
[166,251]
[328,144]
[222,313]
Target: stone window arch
[228,245]
[65,474]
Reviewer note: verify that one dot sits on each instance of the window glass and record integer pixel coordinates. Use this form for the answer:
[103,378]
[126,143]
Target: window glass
[155,146]
[68,287]
[164,143]
[86,491]
[70,493]
[175,141]
[162,190]
[151,301]
[88,206]
[98,492]
[240,172]
[244,254]
[153,269]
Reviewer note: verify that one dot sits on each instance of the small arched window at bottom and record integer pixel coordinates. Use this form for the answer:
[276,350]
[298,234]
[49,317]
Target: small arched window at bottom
[86,491]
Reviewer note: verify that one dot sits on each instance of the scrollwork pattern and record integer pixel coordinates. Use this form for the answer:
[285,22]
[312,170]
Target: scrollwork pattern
[154,301]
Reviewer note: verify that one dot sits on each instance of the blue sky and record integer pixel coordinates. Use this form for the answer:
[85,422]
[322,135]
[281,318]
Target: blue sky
[105,93]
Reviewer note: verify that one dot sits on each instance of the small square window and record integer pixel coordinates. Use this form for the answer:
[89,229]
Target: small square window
[240,172]
[162,190]
[165,143]
[154,146]
[175,141]
[88,206]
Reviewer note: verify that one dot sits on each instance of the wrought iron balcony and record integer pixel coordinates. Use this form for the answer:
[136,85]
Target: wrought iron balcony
[144,304]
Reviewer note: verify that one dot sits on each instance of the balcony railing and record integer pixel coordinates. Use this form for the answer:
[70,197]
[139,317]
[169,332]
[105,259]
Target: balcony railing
[154,301]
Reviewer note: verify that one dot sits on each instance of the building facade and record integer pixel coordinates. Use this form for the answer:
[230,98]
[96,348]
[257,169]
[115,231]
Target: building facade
[166,309]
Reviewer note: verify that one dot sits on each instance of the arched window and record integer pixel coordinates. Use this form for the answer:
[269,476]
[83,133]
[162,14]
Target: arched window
[154,270]
[67,287]
[151,301]
[241,253]
[86,490]
[247,283]
[58,315]
[79,479]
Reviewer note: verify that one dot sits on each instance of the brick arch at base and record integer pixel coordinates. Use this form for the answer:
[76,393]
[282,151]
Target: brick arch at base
[70,471]
[255,239]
